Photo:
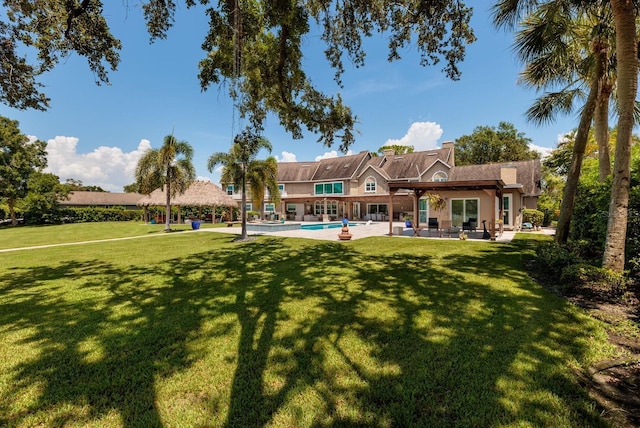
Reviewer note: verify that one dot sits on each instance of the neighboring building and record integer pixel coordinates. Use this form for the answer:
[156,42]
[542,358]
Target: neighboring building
[101,200]
[390,187]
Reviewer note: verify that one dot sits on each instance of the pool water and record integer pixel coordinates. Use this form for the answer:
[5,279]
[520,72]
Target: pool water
[324,226]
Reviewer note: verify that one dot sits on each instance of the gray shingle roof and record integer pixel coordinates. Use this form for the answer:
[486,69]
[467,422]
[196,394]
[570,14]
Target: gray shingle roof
[340,168]
[528,174]
[79,198]
[296,171]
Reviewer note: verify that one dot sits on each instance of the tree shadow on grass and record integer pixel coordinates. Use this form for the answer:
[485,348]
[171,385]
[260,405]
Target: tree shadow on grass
[93,360]
[326,335]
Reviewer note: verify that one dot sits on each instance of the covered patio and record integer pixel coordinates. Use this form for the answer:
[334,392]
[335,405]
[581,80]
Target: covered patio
[492,189]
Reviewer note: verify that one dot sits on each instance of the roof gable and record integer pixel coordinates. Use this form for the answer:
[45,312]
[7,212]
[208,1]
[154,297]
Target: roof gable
[413,165]
[340,168]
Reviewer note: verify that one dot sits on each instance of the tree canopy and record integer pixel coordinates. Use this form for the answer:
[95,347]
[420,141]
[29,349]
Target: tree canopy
[254,46]
[489,145]
[19,158]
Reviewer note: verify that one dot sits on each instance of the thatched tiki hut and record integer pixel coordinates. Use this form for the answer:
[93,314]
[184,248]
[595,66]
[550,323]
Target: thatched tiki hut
[199,194]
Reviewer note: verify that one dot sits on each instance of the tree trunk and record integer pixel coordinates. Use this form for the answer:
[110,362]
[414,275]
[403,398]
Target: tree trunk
[12,211]
[601,119]
[627,57]
[579,146]
[167,226]
[243,232]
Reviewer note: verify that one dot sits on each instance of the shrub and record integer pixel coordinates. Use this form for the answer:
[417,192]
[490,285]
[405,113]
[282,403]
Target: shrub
[553,257]
[593,280]
[534,217]
[92,214]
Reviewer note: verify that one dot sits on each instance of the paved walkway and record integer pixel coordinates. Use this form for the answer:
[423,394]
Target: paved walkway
[364,230]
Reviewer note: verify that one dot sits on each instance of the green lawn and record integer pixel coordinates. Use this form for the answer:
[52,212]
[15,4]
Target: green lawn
[12,237]
[194,330]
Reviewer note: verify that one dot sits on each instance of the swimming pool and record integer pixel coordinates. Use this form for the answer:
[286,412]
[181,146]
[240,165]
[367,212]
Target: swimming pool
[324,226]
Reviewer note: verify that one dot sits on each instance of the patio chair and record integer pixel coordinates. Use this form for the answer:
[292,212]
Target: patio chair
[416,229]
[448,229]
[433,224]
[471,225]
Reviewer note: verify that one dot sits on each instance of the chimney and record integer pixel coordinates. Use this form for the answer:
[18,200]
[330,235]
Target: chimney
[388,152]
[451,159]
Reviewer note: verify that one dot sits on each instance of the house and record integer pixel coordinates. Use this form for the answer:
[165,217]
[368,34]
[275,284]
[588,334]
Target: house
[393,186]
[81,198]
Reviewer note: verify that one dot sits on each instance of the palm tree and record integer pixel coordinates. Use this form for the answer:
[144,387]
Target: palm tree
[509,12]
[569,47]
[241,165]
[170,166]
[263,175]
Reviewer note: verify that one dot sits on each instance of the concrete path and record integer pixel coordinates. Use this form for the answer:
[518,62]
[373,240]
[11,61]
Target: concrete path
[364,230]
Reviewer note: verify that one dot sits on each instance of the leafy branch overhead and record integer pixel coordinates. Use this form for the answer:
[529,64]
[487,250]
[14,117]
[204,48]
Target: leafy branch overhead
[55,29]
[254,46]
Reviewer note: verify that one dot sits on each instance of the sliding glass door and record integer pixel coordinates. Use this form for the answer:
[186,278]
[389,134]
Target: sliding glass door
[462,210]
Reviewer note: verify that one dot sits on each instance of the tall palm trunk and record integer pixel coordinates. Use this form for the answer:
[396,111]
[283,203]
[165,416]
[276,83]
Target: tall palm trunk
[601,118]
[627,55]
[167,226]
[601,127]
[579,146]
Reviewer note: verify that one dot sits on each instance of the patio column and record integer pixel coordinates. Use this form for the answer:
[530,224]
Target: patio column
[391,193]
[416,206]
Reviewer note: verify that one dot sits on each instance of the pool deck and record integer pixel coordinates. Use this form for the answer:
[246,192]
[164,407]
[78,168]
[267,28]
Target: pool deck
[365,230]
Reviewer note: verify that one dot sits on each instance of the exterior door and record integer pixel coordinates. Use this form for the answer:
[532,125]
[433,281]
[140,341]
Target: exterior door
[462,210]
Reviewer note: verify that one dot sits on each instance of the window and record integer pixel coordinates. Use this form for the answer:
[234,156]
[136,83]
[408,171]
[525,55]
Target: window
[332,207]
[463,209]
[370,185]
[230,190]
[248,207]
[377,209]
[440,176]
[269,208]
[423,210]
[291,208]
[281,188]
[334,188]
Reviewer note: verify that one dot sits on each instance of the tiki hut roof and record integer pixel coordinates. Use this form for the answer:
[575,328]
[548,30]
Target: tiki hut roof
[199,194]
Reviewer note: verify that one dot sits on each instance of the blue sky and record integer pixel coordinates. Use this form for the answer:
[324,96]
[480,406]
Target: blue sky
[97,133]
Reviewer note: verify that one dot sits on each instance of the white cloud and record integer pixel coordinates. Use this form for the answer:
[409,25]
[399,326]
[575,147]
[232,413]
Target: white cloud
[287,157]
[421,135]
[544,151]
[107,167]
[331,154]
[327,155]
